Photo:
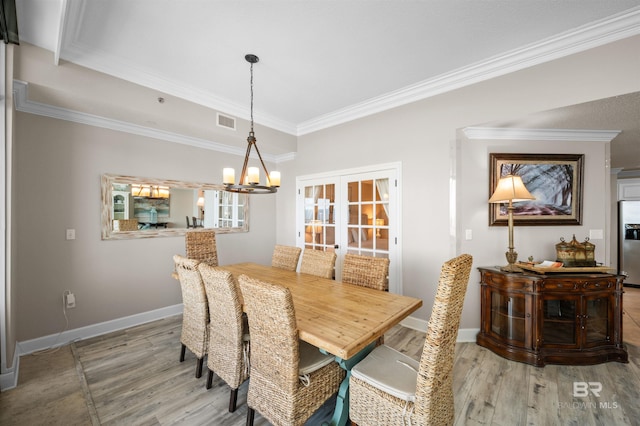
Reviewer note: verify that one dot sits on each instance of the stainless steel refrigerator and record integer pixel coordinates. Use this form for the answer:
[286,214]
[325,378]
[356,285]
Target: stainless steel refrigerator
[629,241]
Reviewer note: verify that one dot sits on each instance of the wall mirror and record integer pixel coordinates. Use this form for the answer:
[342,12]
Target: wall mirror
[137,207]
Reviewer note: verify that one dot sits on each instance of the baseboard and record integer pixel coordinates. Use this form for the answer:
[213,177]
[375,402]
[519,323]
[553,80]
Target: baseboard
[62,339]
[9,379]
[414,324]
[465,335]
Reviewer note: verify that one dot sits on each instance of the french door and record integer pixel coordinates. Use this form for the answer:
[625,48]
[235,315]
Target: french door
[352,212]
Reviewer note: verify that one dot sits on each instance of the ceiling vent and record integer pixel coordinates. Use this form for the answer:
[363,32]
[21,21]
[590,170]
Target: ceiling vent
[226,121]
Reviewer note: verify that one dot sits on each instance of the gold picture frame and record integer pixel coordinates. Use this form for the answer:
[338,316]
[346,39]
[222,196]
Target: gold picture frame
[554,179]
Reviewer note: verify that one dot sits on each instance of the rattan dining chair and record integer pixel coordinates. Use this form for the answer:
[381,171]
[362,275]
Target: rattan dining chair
[228,354]
[125,224]
[200,244]
[290,379]
[319,263]
[195,311]
[367,271]
[390,388]
[285,257]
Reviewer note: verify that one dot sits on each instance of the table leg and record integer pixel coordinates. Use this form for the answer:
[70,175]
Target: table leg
[341,412]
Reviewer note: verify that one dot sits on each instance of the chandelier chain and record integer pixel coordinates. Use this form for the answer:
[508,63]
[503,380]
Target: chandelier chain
[251,68]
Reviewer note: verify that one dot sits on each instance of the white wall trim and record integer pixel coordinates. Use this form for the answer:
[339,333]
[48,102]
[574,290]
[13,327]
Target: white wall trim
[73,50]
[23,104]
[594,34]
[5,202]
[465,335]
[510,133]
[66,337]
[353,171]
[627,174]
[616,27]
[10,379]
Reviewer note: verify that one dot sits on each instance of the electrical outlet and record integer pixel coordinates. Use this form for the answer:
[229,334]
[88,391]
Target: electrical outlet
[69,299]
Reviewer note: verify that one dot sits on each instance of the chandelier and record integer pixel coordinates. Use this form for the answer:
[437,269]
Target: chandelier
[249,182]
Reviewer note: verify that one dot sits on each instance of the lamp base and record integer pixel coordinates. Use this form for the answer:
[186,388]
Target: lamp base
[511,268]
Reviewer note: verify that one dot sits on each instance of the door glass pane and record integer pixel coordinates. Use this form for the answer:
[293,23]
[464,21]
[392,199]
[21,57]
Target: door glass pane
[368,230]
[597,321]
[354,216]
[353,192]
[319,217]
[559,321]
[508,316]
[366,187]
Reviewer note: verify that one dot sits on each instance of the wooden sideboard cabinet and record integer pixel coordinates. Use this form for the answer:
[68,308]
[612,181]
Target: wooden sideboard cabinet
[552,318]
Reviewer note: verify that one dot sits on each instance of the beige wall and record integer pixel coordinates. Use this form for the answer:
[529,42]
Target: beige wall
[56,178]
[423,136]
[59,164]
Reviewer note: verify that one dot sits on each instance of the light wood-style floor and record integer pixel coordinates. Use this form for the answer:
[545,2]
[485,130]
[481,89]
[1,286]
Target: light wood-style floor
[134,377]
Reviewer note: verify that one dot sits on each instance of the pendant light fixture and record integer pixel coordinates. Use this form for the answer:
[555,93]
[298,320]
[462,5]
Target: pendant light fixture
[249,182]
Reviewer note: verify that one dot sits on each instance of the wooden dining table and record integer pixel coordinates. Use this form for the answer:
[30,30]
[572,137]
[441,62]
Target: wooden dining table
[344,320]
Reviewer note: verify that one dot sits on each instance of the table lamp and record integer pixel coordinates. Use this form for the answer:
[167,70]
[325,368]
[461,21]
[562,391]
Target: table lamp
[379,223]
[314,227]
[510,189]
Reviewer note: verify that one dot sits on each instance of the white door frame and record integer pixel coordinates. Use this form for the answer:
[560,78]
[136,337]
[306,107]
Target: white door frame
[395,230]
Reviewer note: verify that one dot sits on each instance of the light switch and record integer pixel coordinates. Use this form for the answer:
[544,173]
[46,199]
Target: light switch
[71,234]
[596,234]
[468,234]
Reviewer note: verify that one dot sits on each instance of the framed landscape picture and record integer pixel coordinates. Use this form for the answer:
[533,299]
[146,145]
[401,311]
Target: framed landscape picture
[555,180]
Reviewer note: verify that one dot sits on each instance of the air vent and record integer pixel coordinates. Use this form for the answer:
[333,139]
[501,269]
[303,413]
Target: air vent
[226,121]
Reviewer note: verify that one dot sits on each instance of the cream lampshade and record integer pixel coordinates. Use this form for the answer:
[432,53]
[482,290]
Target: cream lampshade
[510,189]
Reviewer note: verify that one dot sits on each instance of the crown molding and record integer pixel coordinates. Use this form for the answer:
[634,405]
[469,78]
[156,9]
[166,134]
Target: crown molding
[502,133]
[23,104]
[616,27]
[598,33]
[74,51]
[114,66]
[627,174]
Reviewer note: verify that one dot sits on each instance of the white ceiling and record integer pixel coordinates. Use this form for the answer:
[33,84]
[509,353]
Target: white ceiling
[322,62]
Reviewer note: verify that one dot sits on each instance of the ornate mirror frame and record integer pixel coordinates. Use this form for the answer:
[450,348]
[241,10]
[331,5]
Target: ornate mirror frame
[107,193]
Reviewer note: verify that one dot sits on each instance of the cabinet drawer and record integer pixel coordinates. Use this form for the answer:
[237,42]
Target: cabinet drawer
[560,285]
[508,282]
[578,285]
[598,285]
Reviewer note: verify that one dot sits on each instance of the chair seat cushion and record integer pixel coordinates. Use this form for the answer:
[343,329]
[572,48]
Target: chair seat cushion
[311,359]
[390,371]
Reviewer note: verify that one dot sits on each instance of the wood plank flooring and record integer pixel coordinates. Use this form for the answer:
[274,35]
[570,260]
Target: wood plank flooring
[133,377]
